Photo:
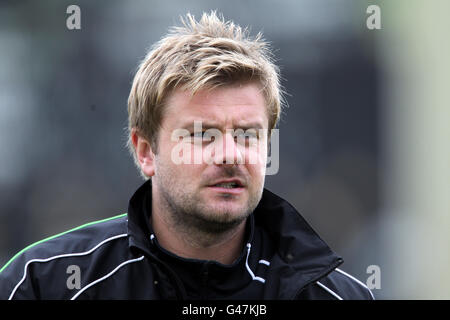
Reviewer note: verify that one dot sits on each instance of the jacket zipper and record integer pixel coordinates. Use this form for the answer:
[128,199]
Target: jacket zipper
[176,282]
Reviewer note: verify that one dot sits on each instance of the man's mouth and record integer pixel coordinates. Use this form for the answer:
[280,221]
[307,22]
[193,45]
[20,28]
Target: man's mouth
[228,186]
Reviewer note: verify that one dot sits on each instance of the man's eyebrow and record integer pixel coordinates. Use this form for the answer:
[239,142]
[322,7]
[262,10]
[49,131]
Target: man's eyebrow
[249,125]
[213,125]
[205,124]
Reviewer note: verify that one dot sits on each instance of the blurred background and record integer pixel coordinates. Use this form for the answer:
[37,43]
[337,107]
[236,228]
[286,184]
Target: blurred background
[364,143]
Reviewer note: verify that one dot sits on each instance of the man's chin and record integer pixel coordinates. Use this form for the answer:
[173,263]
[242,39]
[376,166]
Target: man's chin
[228,207]
[216,221]
[224,210]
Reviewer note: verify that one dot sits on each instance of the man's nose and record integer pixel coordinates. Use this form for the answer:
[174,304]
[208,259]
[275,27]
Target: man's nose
[228,152]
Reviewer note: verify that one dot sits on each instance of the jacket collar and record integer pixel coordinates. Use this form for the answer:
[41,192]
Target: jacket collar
[139,209]
[301,255]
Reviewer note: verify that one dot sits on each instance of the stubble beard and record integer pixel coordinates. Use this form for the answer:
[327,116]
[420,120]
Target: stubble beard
[190,215]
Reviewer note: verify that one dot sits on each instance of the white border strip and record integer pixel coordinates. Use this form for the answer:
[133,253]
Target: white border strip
[248,268]
[353,278]
[267,263]
[61,256]
[329,291]
[106,276]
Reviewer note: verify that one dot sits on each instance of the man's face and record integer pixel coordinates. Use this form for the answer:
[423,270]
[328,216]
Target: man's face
[222,189]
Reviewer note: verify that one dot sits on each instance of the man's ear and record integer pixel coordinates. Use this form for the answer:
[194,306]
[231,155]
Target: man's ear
[144,153]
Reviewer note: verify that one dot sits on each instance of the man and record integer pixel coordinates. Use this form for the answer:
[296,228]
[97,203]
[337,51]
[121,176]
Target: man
[201,111]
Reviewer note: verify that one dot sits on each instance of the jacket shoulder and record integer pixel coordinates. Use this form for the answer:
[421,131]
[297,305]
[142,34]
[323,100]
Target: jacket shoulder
[78,242]
[344,286]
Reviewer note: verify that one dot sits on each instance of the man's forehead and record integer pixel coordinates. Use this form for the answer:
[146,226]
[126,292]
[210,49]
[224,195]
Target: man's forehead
[241,105]
[248,93]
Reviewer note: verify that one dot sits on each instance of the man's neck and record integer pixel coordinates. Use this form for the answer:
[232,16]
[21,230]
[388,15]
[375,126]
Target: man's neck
[224,248]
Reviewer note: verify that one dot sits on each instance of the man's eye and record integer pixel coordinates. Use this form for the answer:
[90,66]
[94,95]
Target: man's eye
[245,135]
[204,135]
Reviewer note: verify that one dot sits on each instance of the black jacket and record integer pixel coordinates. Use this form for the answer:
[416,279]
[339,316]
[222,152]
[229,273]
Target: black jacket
[119,258]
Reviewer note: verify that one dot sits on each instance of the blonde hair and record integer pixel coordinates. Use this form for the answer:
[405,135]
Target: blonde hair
[199,55]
